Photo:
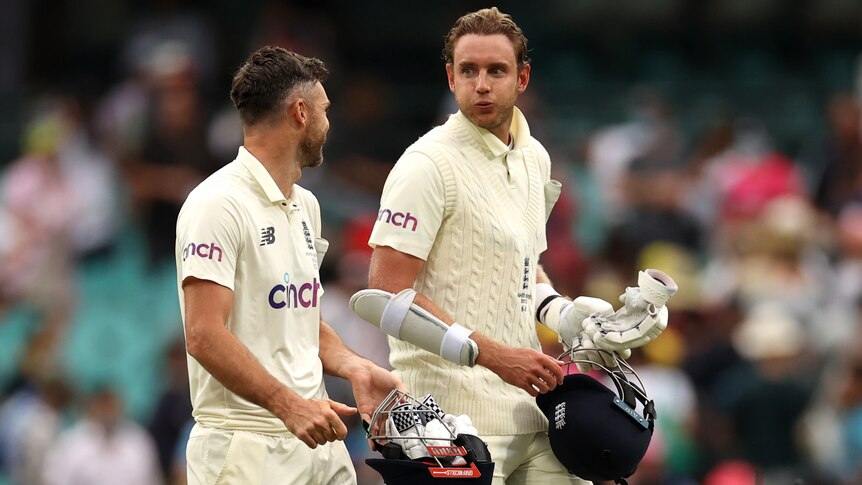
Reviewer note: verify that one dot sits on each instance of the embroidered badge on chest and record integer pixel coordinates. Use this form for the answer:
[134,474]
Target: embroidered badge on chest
[525,296]
[311,253]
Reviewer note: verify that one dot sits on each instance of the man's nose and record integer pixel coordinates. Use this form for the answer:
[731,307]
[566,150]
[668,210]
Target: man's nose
[482,85]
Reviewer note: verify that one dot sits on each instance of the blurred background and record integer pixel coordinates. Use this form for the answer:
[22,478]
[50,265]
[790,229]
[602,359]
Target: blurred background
[717,140]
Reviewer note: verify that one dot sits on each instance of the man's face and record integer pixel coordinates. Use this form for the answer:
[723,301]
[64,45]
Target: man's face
[485,79]
[311,145]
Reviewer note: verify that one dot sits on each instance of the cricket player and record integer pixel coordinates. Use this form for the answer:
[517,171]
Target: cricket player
[248,254]
[455,268]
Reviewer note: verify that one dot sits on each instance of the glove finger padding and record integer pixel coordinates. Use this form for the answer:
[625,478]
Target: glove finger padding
[610,336]
[408,439]
[460,424]
[437,433]
[573,315]
[586,349]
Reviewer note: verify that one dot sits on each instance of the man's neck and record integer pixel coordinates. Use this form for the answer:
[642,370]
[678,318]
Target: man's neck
[285,173]
[503,133]
[279,159]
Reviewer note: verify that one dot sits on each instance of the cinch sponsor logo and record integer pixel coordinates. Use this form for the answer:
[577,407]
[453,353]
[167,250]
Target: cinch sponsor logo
[202,250]
[291,295]
[398,219]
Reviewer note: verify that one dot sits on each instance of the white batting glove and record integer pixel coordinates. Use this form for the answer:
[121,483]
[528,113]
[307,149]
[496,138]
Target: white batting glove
[406,430]
[460,424]
[437,433]
[567,317]
[642,318]
[612,335]
[409,442]
[585,349]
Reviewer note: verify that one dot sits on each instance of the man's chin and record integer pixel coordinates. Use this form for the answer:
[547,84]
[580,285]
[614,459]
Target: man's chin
[488,121]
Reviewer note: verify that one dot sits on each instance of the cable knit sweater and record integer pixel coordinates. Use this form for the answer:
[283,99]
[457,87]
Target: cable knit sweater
[481,269]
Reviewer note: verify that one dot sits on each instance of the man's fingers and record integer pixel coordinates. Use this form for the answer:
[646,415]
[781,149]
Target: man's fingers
[308,440]
[553,366]
[553,376]
[540,385]
[339,428]
[342,409]
[319,436]
[557,372]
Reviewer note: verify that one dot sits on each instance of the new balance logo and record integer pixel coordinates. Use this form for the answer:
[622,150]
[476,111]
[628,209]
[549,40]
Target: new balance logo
[267,235]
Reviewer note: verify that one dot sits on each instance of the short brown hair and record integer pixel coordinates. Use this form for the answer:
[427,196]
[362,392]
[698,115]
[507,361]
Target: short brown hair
[488,21]
[267,78]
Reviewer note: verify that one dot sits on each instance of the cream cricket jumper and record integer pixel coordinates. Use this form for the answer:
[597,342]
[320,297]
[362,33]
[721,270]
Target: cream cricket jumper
[477,217]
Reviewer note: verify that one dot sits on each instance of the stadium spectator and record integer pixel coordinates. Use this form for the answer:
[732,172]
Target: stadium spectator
[103,448]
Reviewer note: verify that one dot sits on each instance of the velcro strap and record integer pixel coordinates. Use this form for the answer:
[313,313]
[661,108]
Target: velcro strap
[545,293]
[553,314]
[395,311]
[453,341]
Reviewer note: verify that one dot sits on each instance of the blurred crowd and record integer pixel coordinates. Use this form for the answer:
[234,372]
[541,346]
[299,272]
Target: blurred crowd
[758,376]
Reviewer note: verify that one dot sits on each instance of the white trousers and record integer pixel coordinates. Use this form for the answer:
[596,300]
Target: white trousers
[228,457]
[527,459]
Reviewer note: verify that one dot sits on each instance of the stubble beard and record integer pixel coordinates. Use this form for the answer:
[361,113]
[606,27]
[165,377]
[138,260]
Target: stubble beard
[311,152]
[496,122]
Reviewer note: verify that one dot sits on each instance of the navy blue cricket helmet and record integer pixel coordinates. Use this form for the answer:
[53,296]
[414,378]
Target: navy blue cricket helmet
[596,433]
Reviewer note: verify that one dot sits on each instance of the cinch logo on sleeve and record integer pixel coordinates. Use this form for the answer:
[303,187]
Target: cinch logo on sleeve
[291,295]
[398,219]
[202,250]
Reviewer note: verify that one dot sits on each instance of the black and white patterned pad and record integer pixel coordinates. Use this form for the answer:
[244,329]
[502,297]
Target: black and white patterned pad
[429,410]
[404,417]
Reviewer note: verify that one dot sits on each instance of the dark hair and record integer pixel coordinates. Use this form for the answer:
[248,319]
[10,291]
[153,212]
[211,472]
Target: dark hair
[488,21]
[267,78]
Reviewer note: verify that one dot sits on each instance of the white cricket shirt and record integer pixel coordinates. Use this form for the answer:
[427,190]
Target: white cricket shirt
[238,230]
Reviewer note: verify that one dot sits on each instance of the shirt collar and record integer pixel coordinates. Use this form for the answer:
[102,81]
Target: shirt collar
[519,129]
[261,175]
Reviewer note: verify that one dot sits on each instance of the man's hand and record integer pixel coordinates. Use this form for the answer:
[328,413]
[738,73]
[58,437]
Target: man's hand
[316,421]
[371,384]
[525,368]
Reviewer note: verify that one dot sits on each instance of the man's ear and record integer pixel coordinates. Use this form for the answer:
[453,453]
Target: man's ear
[298,111]
[450,76]
[523,78]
